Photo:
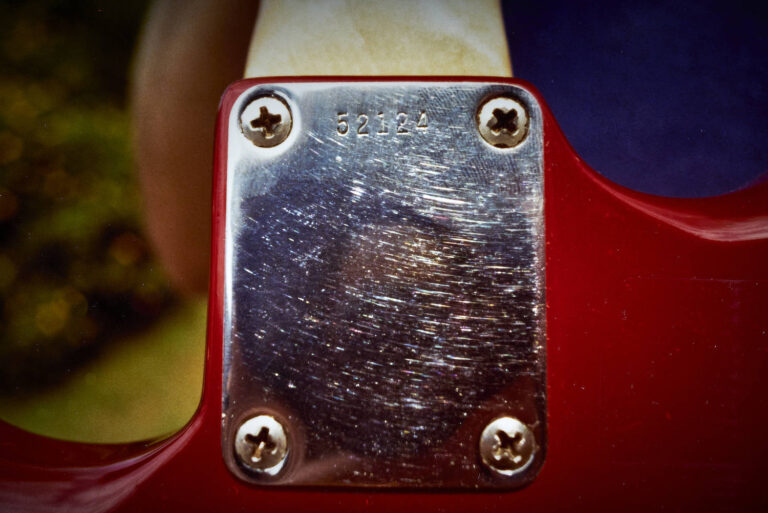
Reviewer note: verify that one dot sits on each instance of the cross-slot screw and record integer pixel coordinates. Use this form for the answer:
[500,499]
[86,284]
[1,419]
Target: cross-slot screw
[503,122]
[266,121]
[261,445]
[507,446]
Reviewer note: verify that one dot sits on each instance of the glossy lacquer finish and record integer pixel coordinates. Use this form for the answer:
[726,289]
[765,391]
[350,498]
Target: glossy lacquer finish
[657,351]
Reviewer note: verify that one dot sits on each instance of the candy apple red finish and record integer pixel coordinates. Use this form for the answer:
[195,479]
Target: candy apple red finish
[657,352]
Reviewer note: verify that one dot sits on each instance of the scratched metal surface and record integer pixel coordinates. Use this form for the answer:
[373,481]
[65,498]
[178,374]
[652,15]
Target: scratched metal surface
[385,291]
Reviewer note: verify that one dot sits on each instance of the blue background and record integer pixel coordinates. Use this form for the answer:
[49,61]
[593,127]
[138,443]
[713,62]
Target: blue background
[668,98]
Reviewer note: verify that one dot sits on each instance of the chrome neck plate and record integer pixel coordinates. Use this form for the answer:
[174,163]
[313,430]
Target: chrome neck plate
[384,285]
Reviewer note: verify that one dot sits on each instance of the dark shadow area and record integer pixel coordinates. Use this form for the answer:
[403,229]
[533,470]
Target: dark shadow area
[76,271]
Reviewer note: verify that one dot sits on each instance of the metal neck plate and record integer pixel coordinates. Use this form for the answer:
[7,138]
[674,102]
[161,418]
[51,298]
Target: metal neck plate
[384,302]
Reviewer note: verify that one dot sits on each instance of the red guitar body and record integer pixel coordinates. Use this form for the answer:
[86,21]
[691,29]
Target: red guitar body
[657,355]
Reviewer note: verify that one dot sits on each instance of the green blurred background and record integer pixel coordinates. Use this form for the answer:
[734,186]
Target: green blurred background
[94,344]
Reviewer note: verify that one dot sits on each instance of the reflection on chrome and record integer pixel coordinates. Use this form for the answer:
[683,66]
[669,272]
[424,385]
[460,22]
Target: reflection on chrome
[385,292]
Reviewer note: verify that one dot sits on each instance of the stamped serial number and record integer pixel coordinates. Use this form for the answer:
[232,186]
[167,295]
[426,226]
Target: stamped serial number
[363,125]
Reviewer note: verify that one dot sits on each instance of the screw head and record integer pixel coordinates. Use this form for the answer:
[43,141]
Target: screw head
[261,445]
[503,122]
[507,446]
[266,121]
